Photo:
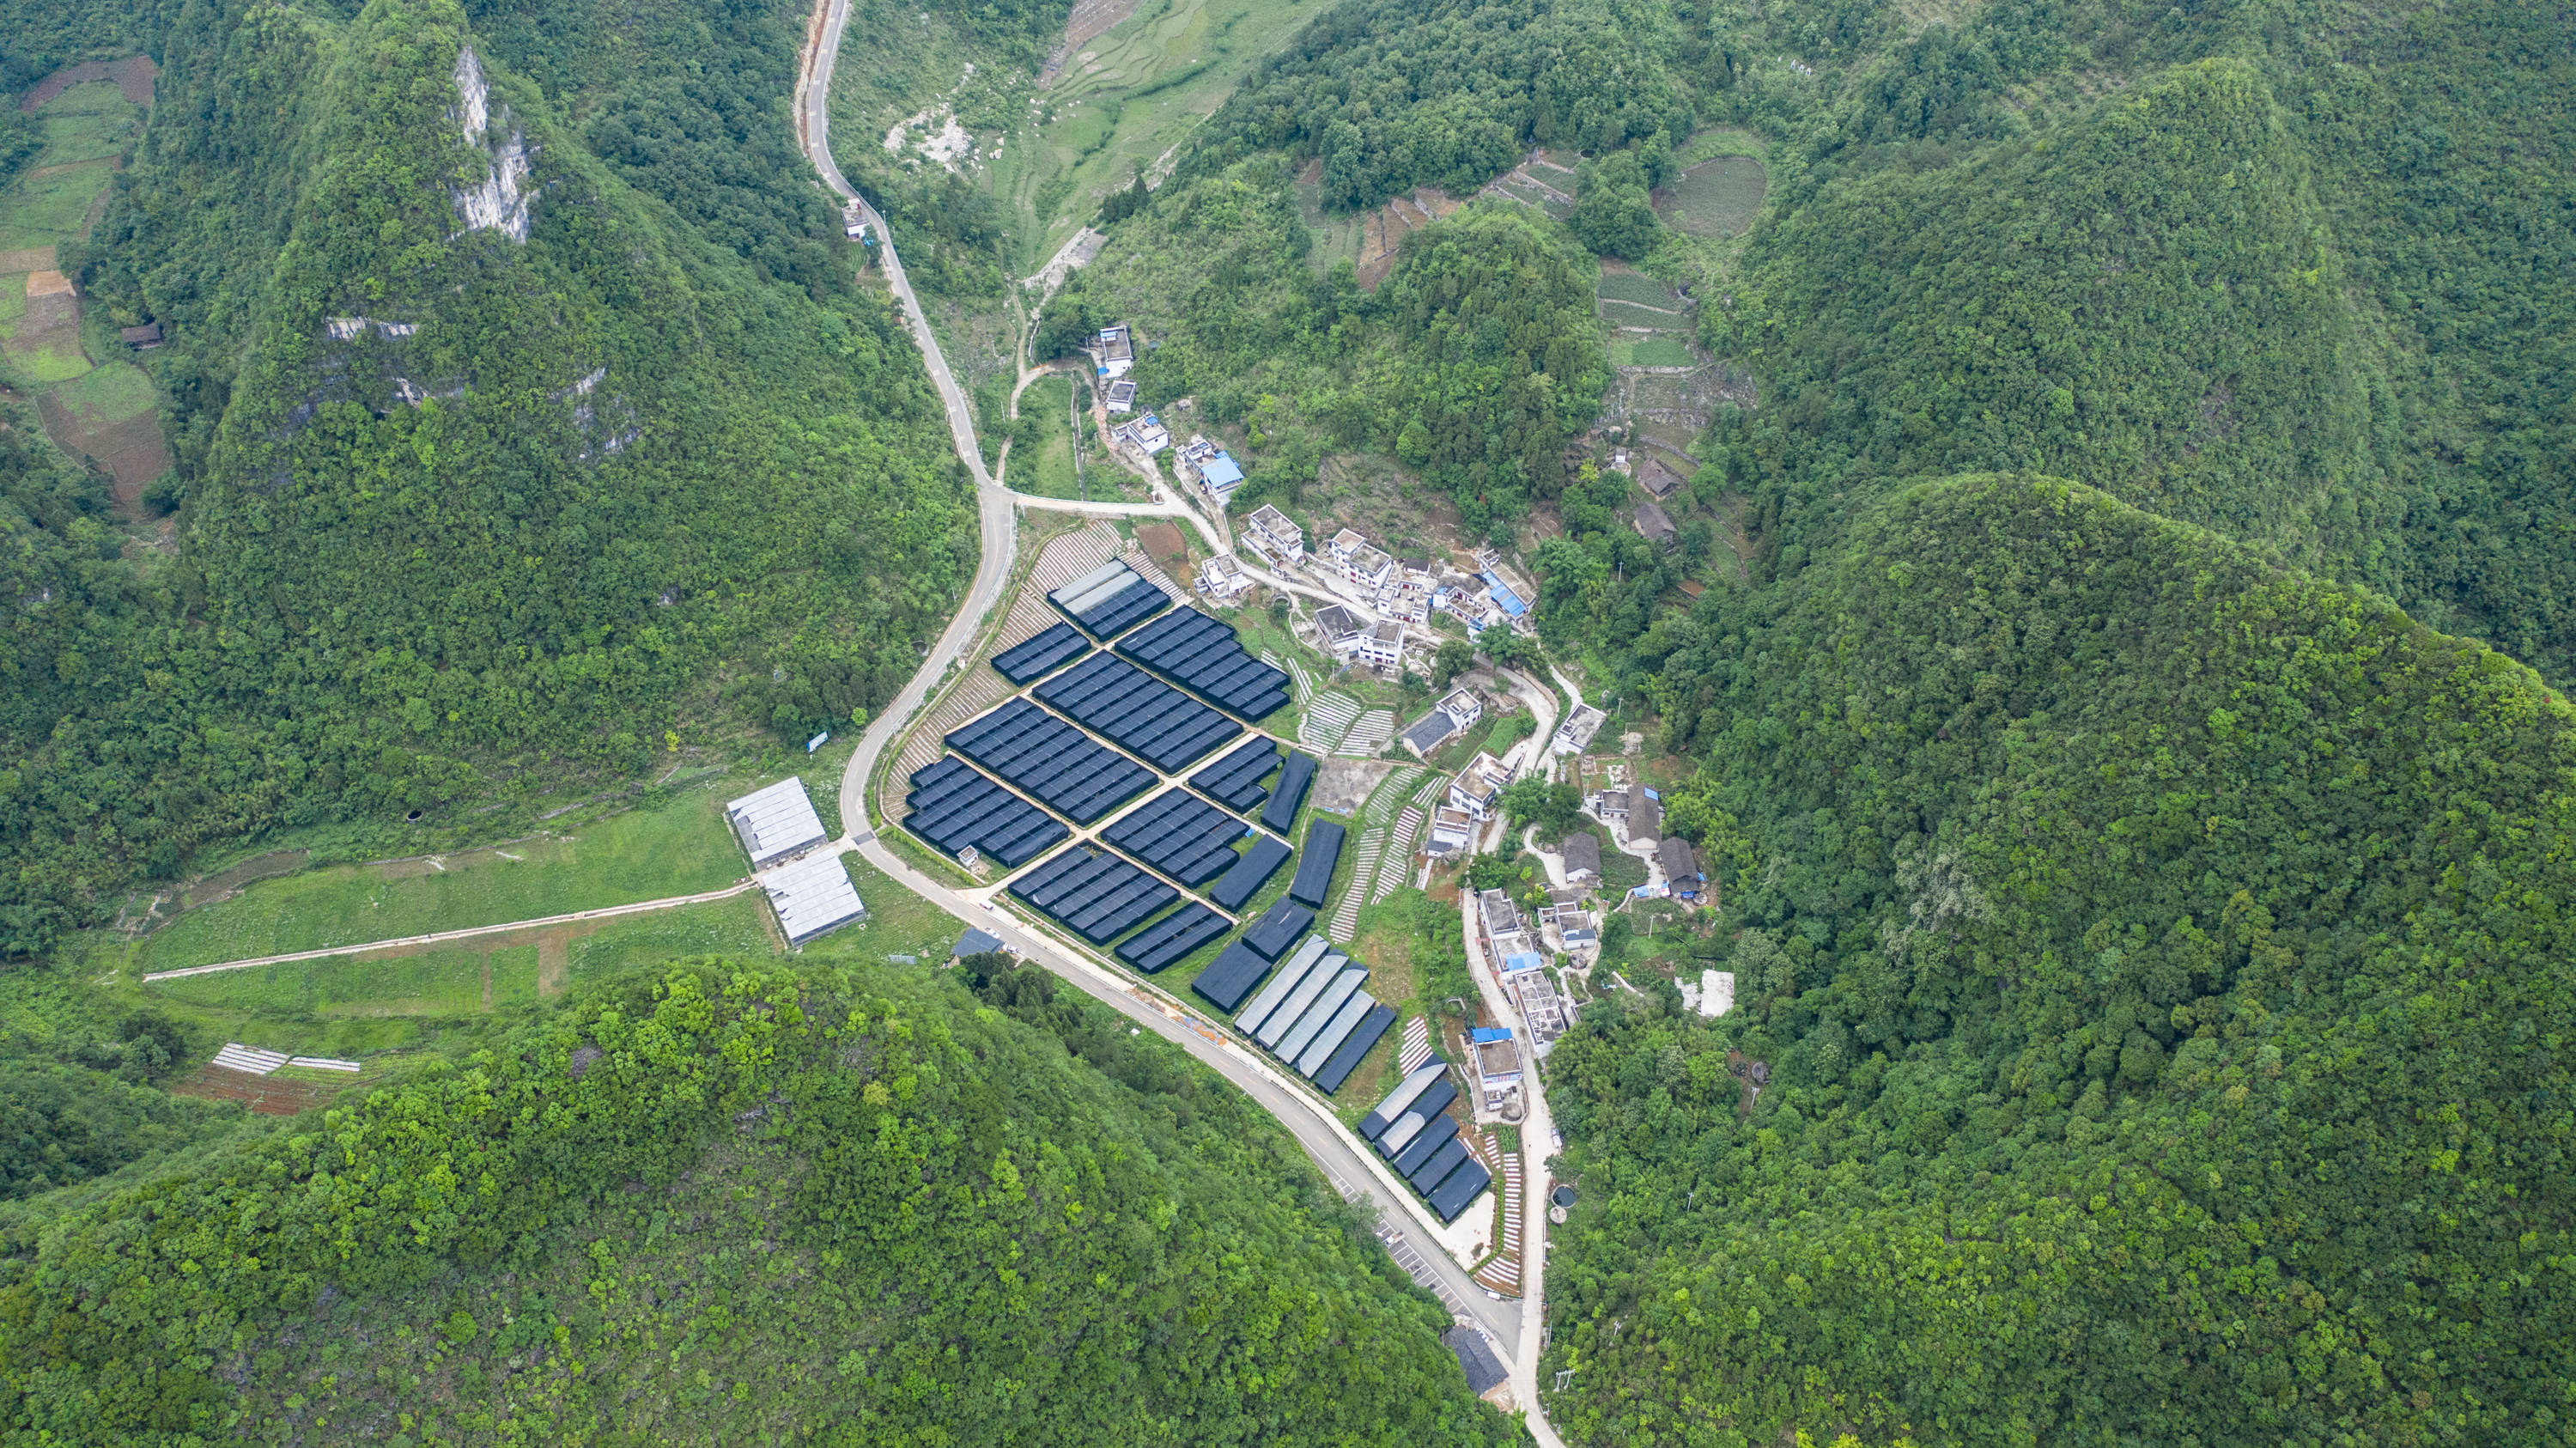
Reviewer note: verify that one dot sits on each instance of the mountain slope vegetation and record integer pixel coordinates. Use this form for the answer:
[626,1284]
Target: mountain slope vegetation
[2161,960]
[720,1204]
[502,460]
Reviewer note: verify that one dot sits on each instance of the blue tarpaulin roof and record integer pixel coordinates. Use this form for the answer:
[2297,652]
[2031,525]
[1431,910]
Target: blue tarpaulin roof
[1526,960]
[1483,1034]
[1501,593]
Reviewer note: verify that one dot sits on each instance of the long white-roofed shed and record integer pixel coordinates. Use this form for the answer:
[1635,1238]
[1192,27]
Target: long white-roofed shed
[812,895]
[776,822]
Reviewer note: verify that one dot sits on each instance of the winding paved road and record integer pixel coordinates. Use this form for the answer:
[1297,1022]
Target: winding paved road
[1353,1168]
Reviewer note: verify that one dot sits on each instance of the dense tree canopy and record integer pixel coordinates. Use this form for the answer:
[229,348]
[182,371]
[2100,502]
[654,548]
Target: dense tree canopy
[499,524]
[1451,92]
[2161,961]
[724,1205]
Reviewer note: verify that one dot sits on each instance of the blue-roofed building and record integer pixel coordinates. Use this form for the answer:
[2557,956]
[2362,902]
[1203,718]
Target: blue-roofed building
[975,942]
[1525,960]
[1502,594]
[1482,1034]
[1210,466]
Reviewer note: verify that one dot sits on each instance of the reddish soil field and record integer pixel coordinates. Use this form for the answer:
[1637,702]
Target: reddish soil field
[267,1095]
[133,76]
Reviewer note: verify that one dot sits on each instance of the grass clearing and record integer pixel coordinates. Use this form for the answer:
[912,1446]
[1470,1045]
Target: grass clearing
[1659,350]
[1715,198]
[88,122]
[1637,288]
[1628,314]
[109,394]
[678,847]
[13,303]
[47,207]
[1047,468]
[1125,100]
[57,359]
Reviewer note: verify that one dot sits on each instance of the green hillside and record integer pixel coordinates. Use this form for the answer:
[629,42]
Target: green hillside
[2162,964]
[2146,297]
[717,1205]
[459,509]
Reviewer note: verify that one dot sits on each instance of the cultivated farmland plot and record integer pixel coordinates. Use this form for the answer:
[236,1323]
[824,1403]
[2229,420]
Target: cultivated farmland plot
[1714,198]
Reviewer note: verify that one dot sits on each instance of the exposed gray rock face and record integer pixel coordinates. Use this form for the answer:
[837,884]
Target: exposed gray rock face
[501,202]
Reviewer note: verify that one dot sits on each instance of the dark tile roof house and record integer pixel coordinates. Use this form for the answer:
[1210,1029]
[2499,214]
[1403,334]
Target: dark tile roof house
[1484,1370]
[1645,813]
[1656,525]
[1681,868]
[1582,857]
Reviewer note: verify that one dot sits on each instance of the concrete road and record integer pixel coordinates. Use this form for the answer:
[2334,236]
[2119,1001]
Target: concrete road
[1353,1168]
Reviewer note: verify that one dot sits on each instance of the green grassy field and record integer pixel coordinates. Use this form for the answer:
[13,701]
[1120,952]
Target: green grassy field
[1659,350]
[1718,197]
[46,208]
[1628,314]
[1637,288]
[1048,468]
[678,848]
[48,362]
[1146,85]
[350,1007]
[109,394]
[90,122]
[13,303]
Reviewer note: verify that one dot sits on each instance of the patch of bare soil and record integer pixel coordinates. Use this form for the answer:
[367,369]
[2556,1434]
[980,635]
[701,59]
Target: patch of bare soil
[1164,542]
[226,883]
[41,258]
[267,1095]
[133,451]
[133,76]
[1342,785]
[1382,236]
[554,964]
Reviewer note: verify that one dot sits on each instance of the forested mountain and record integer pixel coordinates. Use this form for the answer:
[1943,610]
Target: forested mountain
[2161,961]
[714,1204]
[2151,936]
[522,410]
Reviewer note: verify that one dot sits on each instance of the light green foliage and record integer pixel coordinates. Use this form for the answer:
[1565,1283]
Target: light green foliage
[113,393]
[721,1204]
[668,847]
[2146,942]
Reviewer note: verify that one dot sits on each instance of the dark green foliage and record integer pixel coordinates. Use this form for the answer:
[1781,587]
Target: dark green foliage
[651,442]
[21,137]
[728,1206]
[1493,318]
[2161,958]
[1612,214]
[685,103]
[1452,658]
[61,1124]
[1554,808]
[2145,299]
[1451,92]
